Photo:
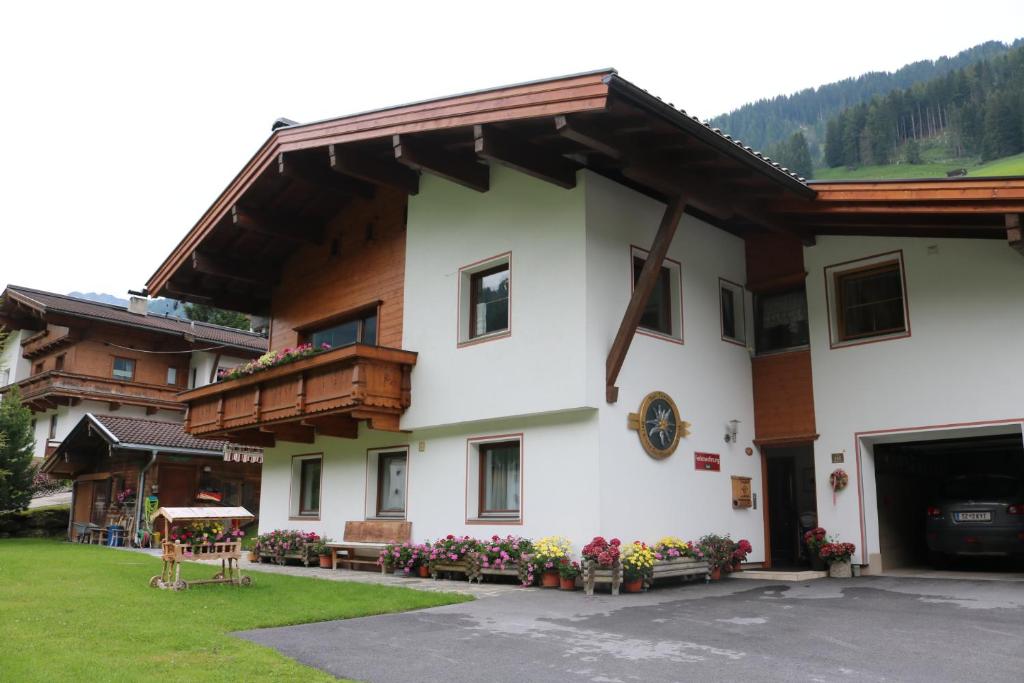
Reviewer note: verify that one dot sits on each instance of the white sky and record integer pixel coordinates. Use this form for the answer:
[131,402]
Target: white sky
[125,120]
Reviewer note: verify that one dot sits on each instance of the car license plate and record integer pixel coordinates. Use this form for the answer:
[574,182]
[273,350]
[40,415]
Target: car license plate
[973,516]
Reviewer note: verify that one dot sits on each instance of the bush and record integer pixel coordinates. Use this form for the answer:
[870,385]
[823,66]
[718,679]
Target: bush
[46,522]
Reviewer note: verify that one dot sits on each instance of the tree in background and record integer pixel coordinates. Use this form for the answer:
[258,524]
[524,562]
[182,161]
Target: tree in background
[216,316]
[16,444]
[794,154]
[912,152]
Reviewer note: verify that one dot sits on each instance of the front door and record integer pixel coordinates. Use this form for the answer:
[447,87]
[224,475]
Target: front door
[177,486]
[792,505]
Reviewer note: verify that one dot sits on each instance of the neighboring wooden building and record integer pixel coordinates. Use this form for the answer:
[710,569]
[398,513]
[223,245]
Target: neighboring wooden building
[70,357]
[506,279]
[107,457]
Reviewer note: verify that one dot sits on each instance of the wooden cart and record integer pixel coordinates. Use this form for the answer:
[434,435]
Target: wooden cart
[174,553]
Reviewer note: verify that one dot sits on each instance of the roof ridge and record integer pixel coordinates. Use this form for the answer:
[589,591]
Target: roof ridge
[138,419]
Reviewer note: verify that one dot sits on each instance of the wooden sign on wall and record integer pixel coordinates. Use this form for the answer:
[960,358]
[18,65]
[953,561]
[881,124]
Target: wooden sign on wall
[707,461]
[741,494]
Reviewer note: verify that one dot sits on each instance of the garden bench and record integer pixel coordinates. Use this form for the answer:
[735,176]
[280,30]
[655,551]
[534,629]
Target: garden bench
[363,541]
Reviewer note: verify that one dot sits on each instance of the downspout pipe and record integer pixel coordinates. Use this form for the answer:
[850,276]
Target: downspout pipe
[140,497]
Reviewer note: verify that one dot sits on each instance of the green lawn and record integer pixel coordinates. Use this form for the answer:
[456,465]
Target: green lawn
[1007,166]
[87,613]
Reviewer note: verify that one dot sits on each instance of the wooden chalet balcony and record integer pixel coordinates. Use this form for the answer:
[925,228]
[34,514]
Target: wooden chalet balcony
[326,394]
[56,387]
[46,341]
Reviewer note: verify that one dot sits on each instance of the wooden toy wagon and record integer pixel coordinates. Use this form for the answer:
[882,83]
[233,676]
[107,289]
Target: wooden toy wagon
[229,552]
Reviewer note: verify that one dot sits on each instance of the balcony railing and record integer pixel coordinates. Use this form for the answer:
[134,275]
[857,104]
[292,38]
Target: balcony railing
[326,394]
[56,387]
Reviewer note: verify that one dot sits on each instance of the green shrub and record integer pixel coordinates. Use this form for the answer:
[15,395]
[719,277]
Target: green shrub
[42,522]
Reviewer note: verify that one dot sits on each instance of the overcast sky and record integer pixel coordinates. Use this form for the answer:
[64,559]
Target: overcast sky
[125,120]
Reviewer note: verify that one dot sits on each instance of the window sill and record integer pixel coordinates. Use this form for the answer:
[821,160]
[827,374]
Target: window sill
[860,341]
[303,518]
[485,338]
[779,352]
[386,518]
[495,520]
[660,335]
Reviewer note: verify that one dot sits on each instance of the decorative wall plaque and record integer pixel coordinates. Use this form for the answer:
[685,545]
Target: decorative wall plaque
[659,425]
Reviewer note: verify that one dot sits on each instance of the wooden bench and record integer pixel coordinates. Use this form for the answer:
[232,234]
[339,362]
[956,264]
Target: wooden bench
[364,540]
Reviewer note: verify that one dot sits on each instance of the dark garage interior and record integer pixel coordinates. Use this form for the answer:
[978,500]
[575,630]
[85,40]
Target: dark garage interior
[912,476]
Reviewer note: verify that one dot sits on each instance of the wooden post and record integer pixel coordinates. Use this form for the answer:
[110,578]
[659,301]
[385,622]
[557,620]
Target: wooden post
[1015,232]
[641,293]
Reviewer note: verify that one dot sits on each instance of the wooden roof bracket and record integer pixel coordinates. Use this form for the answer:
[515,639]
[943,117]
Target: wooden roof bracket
[1015,232]
[641,293]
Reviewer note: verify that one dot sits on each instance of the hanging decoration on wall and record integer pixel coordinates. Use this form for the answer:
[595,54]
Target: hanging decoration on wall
[658,424]
[838,480]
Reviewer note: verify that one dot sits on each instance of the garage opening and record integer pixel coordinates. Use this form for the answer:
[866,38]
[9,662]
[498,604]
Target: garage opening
[955,503]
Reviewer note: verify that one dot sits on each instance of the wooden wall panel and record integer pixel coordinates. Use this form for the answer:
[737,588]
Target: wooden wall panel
[368,237]
[783,396]
[771,256]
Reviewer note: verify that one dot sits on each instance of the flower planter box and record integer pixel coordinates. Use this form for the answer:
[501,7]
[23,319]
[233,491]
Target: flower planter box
[686,568]
[307,558]
[451,567]
[840,569]
[594,575]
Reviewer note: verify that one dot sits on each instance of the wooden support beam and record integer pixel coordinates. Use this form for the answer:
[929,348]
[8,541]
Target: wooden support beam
[293,167]
[150,410]
[465,171]
[589,136]
[291,431]
[252,437]
[208,264]
[501,148]
[340,426]
[1015,232]
[349,162]
[641,293]
[385,422]
[113,406]
[278,227]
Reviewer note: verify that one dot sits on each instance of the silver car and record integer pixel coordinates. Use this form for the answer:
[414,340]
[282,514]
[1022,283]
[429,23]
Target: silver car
[977,514]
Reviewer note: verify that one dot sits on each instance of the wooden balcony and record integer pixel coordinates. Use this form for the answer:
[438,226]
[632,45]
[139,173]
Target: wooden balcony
[56,387]
[326,394]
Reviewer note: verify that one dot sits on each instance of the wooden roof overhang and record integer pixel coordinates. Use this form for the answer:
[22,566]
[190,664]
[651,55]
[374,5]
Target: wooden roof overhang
[982,208]
[304,175]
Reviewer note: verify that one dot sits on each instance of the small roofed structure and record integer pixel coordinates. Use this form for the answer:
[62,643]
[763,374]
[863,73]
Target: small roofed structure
[228,549]
[124,468]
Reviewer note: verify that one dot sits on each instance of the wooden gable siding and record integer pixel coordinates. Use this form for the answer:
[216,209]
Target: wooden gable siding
[96,345]
[586,92]
[361,261]
[782,382]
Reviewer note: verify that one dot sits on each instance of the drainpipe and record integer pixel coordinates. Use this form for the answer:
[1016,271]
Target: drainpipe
[140,497]
[71,512]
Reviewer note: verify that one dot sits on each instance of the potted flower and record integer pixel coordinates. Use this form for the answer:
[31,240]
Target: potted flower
[548,553]
[451,554]
[320,549]
[254,550]
[739,555]
[718,552]
[568,570]
[508,556]
[601,564]
[637,566]
[676,558]
[814,539]
[837,557]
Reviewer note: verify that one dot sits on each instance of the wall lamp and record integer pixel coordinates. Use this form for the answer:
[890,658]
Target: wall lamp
[730,431]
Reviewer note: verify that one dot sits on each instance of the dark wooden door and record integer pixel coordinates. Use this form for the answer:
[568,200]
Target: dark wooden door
[177,486]
[783,516]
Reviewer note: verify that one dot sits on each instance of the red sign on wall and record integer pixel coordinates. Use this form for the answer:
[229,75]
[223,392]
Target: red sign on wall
[708,461]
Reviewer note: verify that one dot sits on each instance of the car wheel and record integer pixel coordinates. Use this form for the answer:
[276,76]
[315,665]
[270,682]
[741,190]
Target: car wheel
[938,560]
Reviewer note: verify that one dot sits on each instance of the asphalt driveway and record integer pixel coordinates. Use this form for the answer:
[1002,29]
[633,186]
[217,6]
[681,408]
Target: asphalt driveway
[864,629]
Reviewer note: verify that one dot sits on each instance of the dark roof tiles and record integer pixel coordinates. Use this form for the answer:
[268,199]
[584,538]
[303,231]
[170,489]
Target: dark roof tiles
[143,432]
[203,332]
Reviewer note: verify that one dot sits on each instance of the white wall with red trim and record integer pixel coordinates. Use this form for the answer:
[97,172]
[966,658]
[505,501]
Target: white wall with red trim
[708,378]
[960,364]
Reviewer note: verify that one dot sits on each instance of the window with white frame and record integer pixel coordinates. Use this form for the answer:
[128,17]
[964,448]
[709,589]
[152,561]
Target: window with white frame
[731,302]
[663,314]
[485,294]
[866,299]
[307,476]
[387,480]
[495,479]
